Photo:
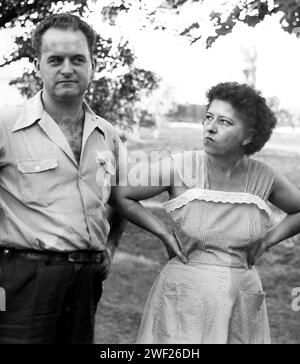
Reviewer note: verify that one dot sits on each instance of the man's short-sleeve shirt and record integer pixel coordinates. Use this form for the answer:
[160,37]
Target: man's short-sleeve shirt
[47,199]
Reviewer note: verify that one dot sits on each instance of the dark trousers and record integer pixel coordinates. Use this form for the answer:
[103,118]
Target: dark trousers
[48,303]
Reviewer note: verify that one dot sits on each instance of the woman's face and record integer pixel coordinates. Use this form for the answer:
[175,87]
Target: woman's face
[224,133]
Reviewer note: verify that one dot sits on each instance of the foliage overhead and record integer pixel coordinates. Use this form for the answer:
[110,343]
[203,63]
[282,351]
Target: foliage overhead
[251,12]
[28,13]
[254,12]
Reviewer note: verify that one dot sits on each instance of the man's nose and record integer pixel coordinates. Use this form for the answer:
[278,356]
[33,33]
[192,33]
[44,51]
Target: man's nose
[67,67]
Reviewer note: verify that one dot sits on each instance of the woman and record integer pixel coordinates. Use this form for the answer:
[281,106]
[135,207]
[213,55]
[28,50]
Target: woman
[219,199]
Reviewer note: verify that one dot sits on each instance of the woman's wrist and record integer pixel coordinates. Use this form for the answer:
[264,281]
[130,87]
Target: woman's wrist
[165,235]
[268,241]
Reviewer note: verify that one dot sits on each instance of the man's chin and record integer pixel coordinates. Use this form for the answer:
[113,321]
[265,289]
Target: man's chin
[68,95]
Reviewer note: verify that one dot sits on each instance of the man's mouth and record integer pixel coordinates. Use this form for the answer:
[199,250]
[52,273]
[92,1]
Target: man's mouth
[67,81]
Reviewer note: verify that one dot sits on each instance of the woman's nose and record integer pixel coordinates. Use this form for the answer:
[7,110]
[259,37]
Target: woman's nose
[211,125]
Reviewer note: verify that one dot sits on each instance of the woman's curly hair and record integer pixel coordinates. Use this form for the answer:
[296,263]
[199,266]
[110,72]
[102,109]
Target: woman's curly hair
[251,107]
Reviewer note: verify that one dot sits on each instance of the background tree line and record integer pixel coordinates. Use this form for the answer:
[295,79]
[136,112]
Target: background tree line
[118,98]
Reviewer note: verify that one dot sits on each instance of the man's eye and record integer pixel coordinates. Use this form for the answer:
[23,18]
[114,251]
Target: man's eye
[209,117]
[54,61]
[78,60]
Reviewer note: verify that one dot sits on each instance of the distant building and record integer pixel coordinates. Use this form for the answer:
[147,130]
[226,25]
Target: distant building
[187,113]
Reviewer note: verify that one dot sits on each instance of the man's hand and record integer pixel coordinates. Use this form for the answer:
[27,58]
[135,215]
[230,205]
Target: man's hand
[106,264]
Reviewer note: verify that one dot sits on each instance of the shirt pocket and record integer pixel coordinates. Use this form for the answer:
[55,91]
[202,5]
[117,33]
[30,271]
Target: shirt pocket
[104,176]
[36,180]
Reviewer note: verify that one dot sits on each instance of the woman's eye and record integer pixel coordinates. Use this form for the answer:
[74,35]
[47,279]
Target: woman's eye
[224,122]
[207,119]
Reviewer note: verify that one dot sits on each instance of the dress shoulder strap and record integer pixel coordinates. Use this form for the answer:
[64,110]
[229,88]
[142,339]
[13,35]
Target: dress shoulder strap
[189,166]
[260,178]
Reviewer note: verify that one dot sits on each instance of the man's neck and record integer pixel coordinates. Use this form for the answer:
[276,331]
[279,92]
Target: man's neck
[61,111]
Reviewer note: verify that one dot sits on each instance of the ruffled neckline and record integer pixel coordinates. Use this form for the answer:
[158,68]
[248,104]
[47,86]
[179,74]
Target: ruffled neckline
[224,197]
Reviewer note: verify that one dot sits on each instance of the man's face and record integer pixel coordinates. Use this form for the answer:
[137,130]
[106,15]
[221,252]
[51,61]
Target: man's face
[65,65]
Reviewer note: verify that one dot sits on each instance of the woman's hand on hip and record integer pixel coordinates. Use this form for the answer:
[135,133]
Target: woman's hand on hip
[256,251]
[174,247]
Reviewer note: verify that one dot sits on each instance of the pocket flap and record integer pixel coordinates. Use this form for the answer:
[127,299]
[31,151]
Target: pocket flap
[37,165]
[109,168]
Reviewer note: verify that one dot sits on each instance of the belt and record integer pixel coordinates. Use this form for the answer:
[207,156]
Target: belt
[80,256]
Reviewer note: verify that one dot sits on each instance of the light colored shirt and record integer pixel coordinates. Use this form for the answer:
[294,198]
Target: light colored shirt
[49,201]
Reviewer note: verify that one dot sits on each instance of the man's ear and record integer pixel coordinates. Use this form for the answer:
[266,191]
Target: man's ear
[94,65]
[36,63]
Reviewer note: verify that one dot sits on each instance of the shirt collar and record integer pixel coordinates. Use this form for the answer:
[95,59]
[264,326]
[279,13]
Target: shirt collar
[32,112]
[92,121]
[34,109]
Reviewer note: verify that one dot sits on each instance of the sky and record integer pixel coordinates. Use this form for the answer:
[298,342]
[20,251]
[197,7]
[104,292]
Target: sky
[187,71]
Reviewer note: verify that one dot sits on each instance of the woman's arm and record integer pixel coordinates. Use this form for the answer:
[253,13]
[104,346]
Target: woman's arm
[117,228]
[287,198]
[155,179]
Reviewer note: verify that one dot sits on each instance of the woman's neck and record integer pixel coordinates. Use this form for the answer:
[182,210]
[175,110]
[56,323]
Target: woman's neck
[229,166]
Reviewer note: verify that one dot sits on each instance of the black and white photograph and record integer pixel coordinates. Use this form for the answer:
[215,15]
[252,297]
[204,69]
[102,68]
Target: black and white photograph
[149,174]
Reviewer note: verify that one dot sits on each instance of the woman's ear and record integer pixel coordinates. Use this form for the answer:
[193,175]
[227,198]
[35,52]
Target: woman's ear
[248,138]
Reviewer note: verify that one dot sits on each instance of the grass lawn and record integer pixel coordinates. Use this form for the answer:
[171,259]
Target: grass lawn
[141,256]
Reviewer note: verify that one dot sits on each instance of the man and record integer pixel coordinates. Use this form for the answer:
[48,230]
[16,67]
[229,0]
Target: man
[57,161]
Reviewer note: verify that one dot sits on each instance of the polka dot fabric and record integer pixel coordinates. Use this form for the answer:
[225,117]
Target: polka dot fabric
[215,298]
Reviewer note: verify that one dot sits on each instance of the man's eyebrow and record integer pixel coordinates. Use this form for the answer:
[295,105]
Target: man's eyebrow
[62,56]
[79,55]
[54,56]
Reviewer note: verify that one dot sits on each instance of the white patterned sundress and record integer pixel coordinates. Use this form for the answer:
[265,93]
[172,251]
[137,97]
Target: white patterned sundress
[215,298]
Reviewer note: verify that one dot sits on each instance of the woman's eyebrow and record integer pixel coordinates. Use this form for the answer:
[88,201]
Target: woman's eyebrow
[221,116]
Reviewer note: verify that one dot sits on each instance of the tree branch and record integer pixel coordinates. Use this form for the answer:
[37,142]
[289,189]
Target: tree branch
[14,59]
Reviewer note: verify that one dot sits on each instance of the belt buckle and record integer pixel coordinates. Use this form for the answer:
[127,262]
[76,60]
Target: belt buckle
[77,257]
[85,257]
[6,252]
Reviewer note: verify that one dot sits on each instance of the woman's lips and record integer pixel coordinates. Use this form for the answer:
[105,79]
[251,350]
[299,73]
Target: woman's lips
[209,139]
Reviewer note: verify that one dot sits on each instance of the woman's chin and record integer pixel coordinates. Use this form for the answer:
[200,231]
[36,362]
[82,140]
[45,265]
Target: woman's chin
[209,148]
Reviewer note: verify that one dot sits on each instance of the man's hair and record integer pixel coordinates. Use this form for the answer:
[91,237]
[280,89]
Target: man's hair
[63,21]
[250,107]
